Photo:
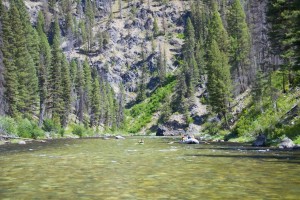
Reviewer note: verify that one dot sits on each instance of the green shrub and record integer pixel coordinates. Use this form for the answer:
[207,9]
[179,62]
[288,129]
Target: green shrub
[8,126]
[180,36]
[78,129]
[141,114]
[50,125]
[212,128]
[61,132]
[29,129]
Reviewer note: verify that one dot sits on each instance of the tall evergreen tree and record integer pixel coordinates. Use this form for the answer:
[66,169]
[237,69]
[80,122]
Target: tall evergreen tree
[44,67]
[121,106]
[87,84]
[240,43]
[192,70]
[2,81]
[26,69]
[200,60]
[55,88]
[10,71]
[284,32]
[95,102]
[66,91]
[80,92]
[155,28]
[89,13]
[258,90]
[30,34]
[219,81]
[217,32]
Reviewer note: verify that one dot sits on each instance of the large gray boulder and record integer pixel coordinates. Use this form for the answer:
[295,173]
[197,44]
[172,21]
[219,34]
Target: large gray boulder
[260,141]
[286,143]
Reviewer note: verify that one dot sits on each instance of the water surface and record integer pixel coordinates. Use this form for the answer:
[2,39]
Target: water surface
[158,169]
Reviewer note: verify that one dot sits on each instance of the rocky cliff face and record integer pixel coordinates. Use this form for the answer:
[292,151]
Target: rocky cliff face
[121,59]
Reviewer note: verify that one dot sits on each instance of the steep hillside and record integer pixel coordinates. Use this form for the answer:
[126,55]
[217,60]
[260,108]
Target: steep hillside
[155,67]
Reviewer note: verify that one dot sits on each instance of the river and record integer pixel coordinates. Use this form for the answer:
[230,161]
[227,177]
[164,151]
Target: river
[159,169]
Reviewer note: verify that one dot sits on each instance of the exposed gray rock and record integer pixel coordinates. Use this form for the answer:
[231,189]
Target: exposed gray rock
[114,34]
[286,143]
[142,14]
[260,141]
[193,129]
[175,42]
[161,130]
[119,137]
[21,142]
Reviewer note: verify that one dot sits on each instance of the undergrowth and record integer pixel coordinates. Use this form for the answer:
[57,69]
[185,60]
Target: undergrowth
[141,114]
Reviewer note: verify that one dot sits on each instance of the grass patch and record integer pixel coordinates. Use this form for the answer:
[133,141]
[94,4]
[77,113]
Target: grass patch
[141,114]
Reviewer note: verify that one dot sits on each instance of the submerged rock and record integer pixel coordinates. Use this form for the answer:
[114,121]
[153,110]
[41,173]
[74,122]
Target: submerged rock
[286,143]
[260,141]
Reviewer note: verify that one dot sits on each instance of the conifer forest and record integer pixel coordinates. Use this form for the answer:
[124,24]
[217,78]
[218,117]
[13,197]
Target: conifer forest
[217,69]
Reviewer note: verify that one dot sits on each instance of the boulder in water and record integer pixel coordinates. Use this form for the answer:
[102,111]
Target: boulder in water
[119,137]
[21,142]
[286,143]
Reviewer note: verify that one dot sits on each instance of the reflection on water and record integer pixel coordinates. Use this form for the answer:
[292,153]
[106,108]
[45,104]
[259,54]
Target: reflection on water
[124,169]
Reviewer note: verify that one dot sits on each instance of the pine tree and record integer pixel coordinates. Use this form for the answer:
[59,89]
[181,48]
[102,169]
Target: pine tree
[10,71]
[181,93]
[2,81]
[191,69]
[219,82]
[26,69]
[100,40]
[89,13]
[258,90]
[87,84]
[73,71]
[121,106]
[55,88]
[44,67]
[80,92]
[200,60]
[29,32]
[95,102]
[40,26]
[155,28]
[83,34]
[189,43]
[239,42]
[66,91]
[217,32]
[284,34]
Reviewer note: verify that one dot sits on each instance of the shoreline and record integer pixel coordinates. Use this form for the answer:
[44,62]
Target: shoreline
[245,145]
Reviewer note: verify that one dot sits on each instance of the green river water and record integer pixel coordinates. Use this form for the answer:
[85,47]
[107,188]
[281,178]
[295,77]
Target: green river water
[159,169]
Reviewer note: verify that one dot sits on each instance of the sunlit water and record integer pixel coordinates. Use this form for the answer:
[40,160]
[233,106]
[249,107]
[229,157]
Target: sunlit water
[158,169]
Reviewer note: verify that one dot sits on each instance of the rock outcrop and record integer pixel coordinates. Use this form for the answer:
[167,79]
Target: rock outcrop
[286,143]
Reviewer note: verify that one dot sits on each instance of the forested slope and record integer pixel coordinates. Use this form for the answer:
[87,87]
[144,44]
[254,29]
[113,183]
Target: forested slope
[209,67]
